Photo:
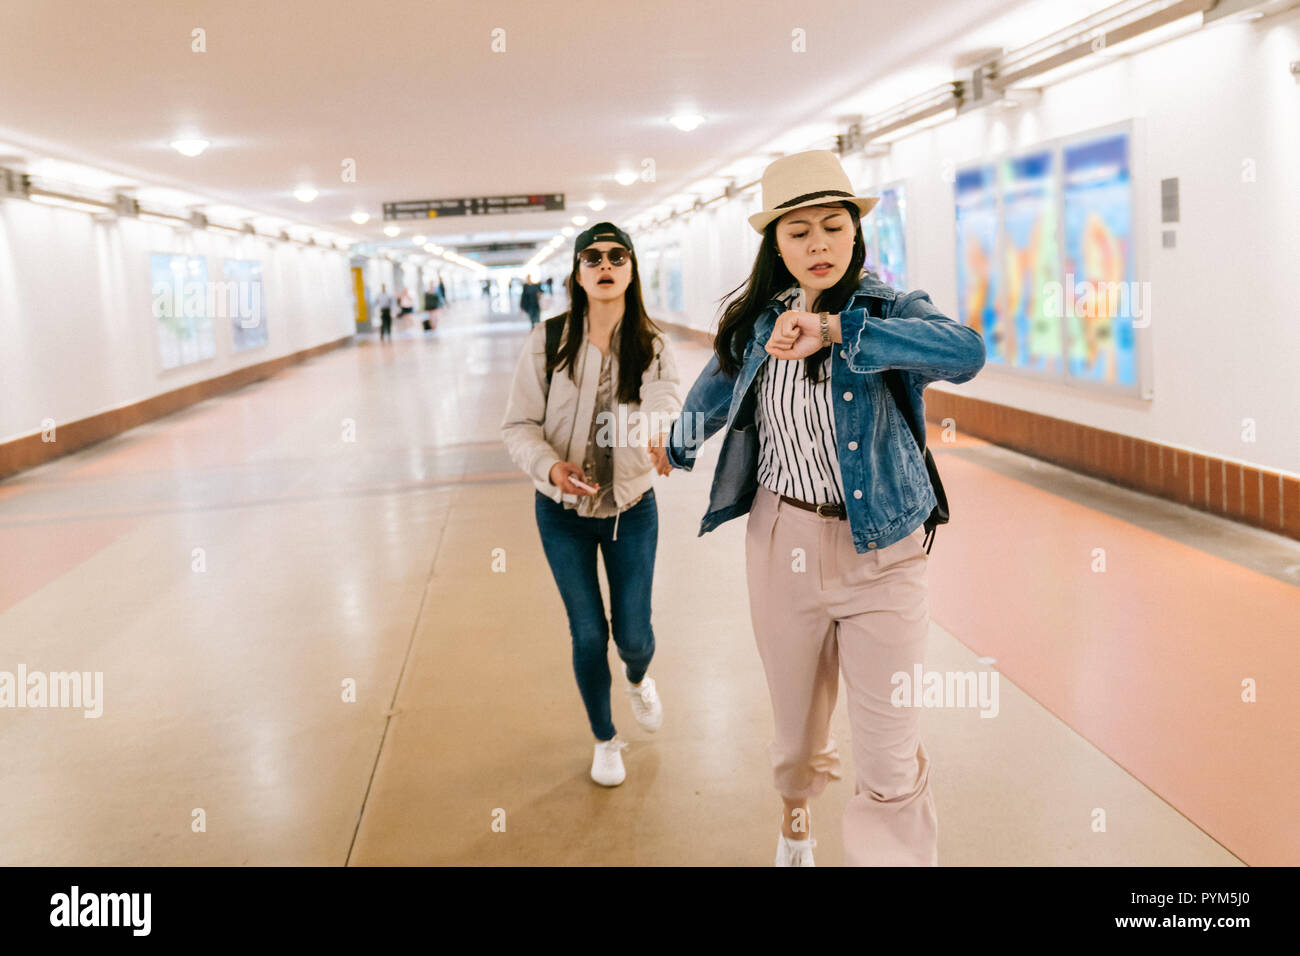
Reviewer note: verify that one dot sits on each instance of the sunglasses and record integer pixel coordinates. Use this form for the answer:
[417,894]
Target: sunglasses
[592,257]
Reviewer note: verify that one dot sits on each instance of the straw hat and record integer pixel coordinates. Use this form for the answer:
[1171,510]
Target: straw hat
[812,178]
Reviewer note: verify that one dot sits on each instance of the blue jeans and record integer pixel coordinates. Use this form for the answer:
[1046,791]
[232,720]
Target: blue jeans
[570,542]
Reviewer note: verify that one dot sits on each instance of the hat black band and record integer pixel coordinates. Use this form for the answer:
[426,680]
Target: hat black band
[817,195]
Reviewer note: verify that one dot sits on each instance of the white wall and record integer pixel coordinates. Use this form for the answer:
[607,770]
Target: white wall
[77,332]
[1209,108]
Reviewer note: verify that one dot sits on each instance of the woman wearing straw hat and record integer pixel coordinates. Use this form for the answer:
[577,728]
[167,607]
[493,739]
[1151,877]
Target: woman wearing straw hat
[821,457]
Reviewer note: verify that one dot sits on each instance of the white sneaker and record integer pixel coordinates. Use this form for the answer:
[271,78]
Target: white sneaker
[794,852]
[646,708]
[607,763]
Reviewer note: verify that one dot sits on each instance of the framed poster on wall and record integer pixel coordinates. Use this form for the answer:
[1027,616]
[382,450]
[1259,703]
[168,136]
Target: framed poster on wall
[649,264]
[181,311]
[1059,298]
[890,233]
[977,242]
[671,276]
[884,232]
[1030,262]
[244,303]
[1099,261]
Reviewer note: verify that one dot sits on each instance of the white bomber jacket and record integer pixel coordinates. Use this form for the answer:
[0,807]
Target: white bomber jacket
[540,429]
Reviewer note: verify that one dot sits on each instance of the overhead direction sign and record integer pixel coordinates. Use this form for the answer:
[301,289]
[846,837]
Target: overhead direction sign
[474,206]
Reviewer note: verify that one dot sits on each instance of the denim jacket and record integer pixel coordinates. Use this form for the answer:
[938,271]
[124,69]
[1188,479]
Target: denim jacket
[887,490]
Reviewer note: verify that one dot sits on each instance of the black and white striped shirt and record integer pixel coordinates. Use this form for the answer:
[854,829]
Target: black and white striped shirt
[795,417]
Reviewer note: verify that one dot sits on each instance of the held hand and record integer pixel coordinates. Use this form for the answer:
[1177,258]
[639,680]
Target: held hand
[796,335]
[659,456]
[562,472]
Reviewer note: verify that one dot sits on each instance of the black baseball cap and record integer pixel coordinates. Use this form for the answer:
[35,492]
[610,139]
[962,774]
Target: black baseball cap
[600,232]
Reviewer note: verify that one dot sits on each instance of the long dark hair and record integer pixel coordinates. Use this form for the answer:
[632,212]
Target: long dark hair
[746,302]
[636,334]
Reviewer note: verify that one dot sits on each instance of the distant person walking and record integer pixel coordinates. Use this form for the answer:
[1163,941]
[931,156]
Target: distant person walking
[385,303]
[530,300]
[432,300]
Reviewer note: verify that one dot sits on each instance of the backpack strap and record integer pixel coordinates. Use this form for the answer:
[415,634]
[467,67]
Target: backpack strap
[894,381]
[554,330]
[894,378]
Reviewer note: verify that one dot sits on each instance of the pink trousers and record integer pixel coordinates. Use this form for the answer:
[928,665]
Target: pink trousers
[819,608]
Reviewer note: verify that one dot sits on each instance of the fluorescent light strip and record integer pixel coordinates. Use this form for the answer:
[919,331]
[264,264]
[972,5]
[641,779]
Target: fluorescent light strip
[1112,26]
[163,218]
[1117,25]
[68,202]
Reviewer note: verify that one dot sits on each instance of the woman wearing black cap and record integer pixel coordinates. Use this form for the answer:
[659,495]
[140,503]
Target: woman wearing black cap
[592,389]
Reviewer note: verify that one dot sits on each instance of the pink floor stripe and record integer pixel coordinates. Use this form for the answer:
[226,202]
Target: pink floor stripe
[1146,660]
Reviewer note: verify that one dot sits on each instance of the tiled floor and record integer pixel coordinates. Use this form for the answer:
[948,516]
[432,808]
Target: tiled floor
[240,571]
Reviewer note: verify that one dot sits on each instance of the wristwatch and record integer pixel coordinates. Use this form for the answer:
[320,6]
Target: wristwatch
[826,328]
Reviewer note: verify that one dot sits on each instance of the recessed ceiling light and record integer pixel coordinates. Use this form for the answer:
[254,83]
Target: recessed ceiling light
[686,121]
[391,231]
[189,147]
[419,240]
[305,194]
[626,178]
[430,248]
[596,205]
[579,220]
[566,231]
[360,218]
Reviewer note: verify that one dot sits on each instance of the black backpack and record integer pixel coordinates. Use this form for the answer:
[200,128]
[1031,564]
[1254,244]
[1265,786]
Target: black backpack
[554,330]
[894,380]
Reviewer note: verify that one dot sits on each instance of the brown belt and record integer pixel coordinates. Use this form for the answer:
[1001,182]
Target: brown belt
[823,511]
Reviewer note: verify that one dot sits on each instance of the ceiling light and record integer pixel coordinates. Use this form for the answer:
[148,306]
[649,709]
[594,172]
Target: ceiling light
[686,121]
[596,205]
[566,232]
[392,231]
[626,178]
[189,147]
[429,248]
[419,240]
[360,218]
[305,194]
[579,220]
